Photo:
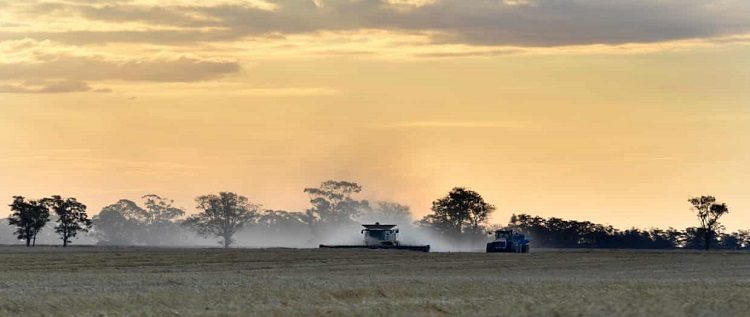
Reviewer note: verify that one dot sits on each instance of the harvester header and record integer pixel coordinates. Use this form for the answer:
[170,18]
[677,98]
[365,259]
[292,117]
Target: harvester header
[377,236]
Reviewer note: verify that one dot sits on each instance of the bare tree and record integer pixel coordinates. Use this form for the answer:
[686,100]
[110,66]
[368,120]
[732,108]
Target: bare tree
[709,212]
[71,217]
[29,217]
[222,215]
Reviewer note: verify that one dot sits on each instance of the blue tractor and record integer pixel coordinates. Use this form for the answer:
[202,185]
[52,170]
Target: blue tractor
[508,241]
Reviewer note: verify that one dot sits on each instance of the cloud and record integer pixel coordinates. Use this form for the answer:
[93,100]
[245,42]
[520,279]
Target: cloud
[474,53]
[30,66]
[65,42]
[163,37]
[152,15]
[64,86]
[87,68]
[531,23]
[518,2]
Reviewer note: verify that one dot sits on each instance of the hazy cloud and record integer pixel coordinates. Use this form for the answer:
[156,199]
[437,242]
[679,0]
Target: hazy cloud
[469,53]
[151,15]
[83,68]
[482,22]
[49,87]
[61,42]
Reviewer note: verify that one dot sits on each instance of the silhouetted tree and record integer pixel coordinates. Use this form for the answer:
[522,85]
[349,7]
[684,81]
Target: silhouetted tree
[729,241]
[29,217]
[120,223]
[71,217]
[460,211]
[126,223]
[222,216]
[559,233]
[741,239]
[160,209]
[665,239]
[694,238]
[709,212]
[160,224]
[332,203]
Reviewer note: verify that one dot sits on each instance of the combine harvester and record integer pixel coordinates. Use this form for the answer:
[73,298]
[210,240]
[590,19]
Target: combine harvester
[508,241]
[379,236]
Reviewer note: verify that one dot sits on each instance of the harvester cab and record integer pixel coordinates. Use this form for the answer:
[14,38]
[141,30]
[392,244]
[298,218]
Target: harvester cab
[508,241]
[377,236]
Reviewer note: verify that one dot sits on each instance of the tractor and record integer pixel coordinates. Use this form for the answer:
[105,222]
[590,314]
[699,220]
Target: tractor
[508,241]
[377,236]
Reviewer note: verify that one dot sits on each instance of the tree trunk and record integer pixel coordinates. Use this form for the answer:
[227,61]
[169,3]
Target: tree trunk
[708,239]
[28,242]
[33,242]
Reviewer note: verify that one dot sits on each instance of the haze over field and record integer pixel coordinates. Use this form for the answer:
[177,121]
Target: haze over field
[613,112]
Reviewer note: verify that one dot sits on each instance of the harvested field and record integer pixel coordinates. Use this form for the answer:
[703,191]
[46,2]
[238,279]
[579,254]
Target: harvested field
[93,281]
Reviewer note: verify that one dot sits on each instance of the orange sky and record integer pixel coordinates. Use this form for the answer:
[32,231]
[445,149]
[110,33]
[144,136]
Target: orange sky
[615,114]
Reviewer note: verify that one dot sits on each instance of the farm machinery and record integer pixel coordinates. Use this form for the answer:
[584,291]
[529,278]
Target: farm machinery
[508,241]
[377,236]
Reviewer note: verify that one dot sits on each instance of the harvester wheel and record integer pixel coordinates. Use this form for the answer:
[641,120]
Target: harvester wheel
[525,248]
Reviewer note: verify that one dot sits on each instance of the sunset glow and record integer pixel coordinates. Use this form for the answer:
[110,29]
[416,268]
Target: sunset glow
[615,114]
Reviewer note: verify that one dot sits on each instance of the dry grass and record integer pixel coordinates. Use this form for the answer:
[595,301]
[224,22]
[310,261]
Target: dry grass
[88,281]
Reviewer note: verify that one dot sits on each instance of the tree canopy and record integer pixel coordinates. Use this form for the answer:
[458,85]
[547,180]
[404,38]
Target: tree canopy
[332,203]
[29,217]
[115,225]
[71,217]
[461,210]
[222,216]
[708,211]
[126,223]
[159,209]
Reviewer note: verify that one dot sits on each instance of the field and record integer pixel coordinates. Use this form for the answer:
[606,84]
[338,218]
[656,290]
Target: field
[92,281]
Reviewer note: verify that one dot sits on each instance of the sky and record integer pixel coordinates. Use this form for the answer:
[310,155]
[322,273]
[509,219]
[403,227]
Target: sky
[611,111]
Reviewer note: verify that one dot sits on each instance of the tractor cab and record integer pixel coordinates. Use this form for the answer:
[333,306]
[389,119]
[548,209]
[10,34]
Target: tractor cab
[380,235]
[503,234]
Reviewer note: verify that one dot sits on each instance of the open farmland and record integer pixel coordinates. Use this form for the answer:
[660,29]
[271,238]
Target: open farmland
[92,281]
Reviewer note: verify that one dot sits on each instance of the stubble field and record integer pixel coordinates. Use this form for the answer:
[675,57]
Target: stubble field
[94,281]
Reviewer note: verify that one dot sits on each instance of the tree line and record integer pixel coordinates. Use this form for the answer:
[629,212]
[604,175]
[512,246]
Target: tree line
[559,233]
[157,221]
[459,216]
